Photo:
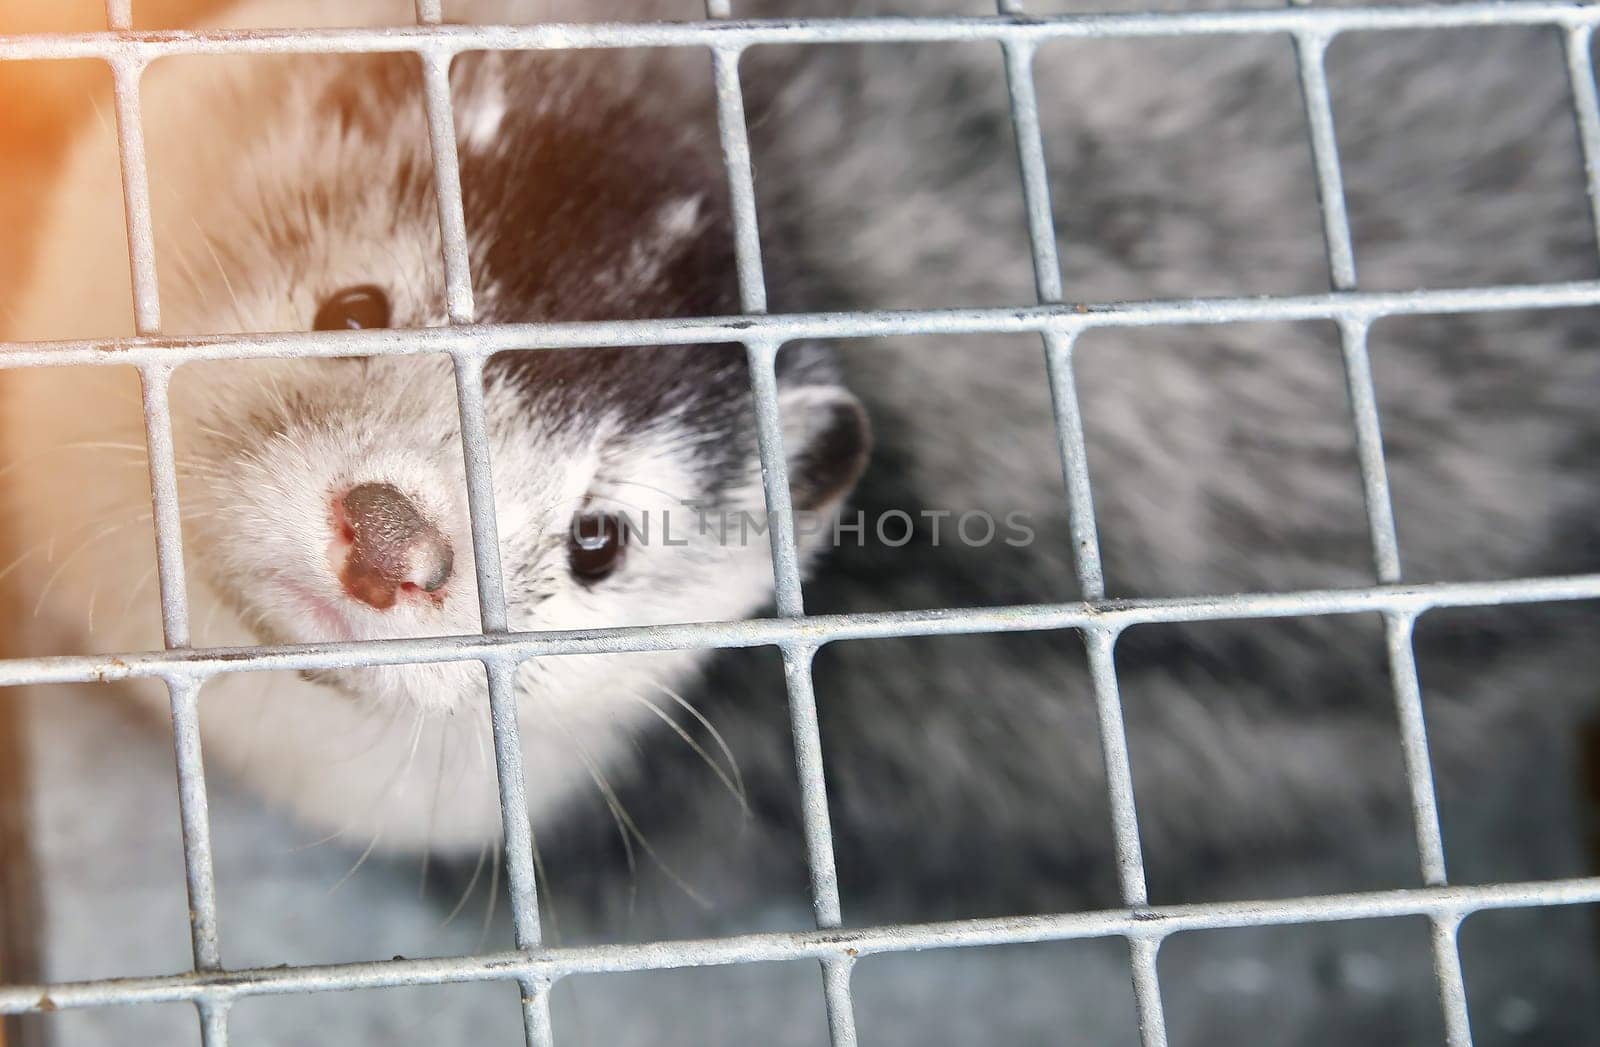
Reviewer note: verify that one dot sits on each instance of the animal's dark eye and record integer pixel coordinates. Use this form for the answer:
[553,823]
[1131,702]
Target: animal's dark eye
[594,546]
[353,309]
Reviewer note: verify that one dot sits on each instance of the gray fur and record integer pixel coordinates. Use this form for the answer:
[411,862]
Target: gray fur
[965,774]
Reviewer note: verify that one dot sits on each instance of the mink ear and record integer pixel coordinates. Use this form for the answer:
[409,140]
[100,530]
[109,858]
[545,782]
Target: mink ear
[826,439]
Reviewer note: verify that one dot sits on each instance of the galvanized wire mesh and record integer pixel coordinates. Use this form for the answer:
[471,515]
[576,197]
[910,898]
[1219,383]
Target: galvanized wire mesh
[213,988]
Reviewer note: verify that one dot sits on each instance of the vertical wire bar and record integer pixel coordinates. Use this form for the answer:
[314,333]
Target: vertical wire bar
[125,74]
[154,381]
[521,882]
[194,815]
[1152,1015]
[818,830]
[1058,344]
[447,183]
[1101,646]
[119,15]
[1452,983]
[735,134]
[1311,53]
[1369,450]
[1311,50]
[813,789]
[1425,816]
[836,992]
[520,877]
[1084,534]
[1035,171]
[1100,643]
[429,12]
[1414,746]
[213,1022]
[537,1027]
[762,356]
[1580,67]
[480,494]
[513,802]
[719,9]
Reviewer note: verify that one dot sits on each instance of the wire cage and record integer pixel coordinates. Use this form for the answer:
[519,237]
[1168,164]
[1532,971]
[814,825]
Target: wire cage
[212,987]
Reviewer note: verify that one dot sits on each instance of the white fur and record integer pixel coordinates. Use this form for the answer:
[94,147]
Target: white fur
[397,754]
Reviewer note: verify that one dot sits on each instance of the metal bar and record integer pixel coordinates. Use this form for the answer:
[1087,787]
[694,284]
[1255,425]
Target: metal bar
[1147,990]
[521,882]
[762,358]
[807,735]
[1311,49]
[741,181]
[1116,615]
[1452,983]
[119,14]
[447,186]
[1580,67]
[1058,345]
[513,801]
[213,1016]
[762,355]
[822,944]
[154,384]
[1101,644]
[1084,532]
[1024,100]
[125,74]
[813,790]
[1414,745]
[1369,450]
[836,972]
[483,340]
[429,12]
[536,1024]
[740,34]
[480,494]
[194,813]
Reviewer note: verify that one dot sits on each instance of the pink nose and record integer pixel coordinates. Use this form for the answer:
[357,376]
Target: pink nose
[393,548]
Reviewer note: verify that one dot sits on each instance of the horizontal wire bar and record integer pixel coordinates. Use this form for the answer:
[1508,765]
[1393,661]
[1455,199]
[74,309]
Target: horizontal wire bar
[481,340]
[1149,924]
[814,629]
[737,34]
